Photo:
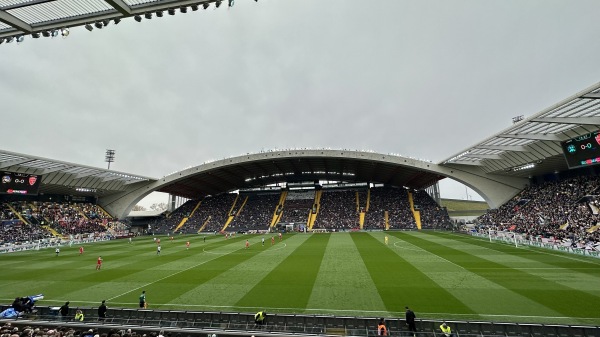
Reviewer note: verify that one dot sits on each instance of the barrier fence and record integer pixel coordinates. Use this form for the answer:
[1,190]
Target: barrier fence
[203,323]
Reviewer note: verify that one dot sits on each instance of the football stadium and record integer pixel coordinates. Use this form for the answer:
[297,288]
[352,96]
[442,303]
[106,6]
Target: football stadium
[303,241]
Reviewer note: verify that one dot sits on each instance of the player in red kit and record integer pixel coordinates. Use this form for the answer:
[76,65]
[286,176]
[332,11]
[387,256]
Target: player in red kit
[272,240]
[81,250]
[187,245]
[247,244]
[99,263]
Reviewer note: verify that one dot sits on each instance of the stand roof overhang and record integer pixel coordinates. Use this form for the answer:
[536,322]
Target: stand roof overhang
[531,146]
[59,177]
[23,17]
[299,166]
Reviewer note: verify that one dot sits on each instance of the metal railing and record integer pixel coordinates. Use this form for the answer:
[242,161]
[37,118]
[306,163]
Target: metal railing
[235,323]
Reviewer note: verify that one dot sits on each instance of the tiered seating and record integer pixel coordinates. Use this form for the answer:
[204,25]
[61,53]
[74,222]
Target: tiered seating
[395,202]
[554,210]
[256,214]
[214,209]
[432,214]
[297,206]
[338,210]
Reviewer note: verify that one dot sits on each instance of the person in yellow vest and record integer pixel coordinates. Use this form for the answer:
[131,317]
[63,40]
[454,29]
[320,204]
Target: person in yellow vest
[79,315]
[260,318]
[386,239]
[446,330]
[381,328]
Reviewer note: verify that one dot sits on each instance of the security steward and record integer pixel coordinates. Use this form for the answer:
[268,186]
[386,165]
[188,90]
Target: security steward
[446,331]
[260,318]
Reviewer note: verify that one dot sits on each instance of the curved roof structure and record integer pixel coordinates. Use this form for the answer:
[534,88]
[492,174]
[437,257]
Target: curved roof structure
[497,167]
[256,170]
[45,18]
[531,146]
[59,177]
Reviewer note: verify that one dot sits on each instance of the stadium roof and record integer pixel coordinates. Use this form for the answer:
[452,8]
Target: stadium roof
[296,166]
[24,17]
[531,146]
[60,177]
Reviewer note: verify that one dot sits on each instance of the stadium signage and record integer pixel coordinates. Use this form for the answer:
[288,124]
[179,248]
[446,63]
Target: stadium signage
[583,150]
[19,183]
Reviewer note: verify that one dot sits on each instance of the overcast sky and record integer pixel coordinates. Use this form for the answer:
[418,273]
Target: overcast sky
[425,79]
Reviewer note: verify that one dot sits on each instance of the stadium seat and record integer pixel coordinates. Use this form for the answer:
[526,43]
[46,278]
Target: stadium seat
[462,328]
[512,329]
[535,330]
[584,331]
[549,330]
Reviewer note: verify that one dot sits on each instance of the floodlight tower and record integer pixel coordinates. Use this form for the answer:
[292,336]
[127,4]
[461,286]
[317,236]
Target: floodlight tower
[110,157]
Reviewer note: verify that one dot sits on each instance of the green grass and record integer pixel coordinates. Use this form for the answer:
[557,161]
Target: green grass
[439,275]
[456,205]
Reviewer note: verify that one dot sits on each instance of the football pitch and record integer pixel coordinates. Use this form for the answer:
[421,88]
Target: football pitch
[440,275]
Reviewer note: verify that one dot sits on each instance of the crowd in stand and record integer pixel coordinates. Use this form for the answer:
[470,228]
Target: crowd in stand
[296,211]
[71,218]
[557,210]
[394,201]
[170,223]
[432,214]
[7,330]
[213,211]
[23,221]
[337,210]
[256,214]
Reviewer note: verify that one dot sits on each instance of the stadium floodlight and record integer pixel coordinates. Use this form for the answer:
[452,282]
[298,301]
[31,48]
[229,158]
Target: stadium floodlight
[46,33]
[54,33]
[194,7]
[205,5]
[231,3]
[183,9]
[89,27]
[98,25]
[35,35]
[105,22]
[159,14]
[171,11]
[109,157]
[218,3]
[64,32]
[116,21]
[1,40]
[148,16]
[10,39]
[138,18]
[20,38]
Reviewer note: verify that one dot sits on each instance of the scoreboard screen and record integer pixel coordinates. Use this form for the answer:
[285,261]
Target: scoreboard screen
[583,150]
[20,183]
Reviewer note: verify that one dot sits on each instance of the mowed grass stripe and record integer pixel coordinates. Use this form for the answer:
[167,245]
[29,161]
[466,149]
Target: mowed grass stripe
[480,294]
[399,283]
[565,300]
[290,284]
[205,268]
[115,278]
[225,290]
[561,260]
[343,275]
[587,280]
